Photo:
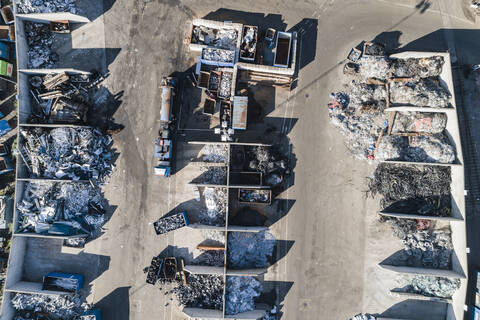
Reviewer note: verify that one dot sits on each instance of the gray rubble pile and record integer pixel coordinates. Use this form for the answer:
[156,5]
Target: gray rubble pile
[214,175]
[422,93]
[46,6]
[201,291]
[417,67]
[217,153]
[47,205]
[214,258]
[219,38]
[40,41]
[225,85]
[430,286]
[76,153]
[412,189]
[435,149]
[374,67]
[363,316]
[65,307]
[428,249]
[367,94]
[218,55]
[250,249]
[421,122]
[240,294]
[216,203]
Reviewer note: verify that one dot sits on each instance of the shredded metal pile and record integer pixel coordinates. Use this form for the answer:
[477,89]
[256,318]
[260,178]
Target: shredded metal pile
[249,43]
[46,6]
[40,41]
[201,291]
[218,55]
[374,67]
[76,153]
[47,205]
[215,202]
[250,249]
[240,294]
[435,149]
[65,307]
[214,258]
[170,223]
[412,189]
[214,175]
[417,67]
[219,38]
[363,316]
[217,153]
[225,85]
[422,122]
[254,195]
[422,93]
[431,286]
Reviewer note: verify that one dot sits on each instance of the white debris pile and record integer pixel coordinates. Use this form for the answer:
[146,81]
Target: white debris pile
[40,41]
[360,128]
[363,316]
[75,153]
[240,294]
[217,153]
[433,149]
[250,249]
[46,6]
[225,85]
[421,122]
[216,203]
[417,67]
[219,38]
[218,55]
[422,93]
[214,235]
[430,286]
[374,67]
[58,306]
[47,205]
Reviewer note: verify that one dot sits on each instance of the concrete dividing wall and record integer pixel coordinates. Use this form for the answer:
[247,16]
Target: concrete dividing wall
[203,313]
[424,271]
[204,270]
[246,229]
[53,16]
[246,272]
[418,216]
[255,314]
[15,261]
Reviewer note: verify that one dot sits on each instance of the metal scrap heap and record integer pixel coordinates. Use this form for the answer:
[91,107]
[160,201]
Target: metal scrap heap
[219,38]
[63,307]
[60,208]
[422,93]
[46,6]
[430,286]
[75,153]
[417,67]
[216,153]
[240,294]
[201,291]
[215,202]
[40,40]
[413,189]
[250,249]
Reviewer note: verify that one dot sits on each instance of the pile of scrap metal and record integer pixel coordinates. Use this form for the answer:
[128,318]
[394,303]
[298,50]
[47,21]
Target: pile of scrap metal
[170,223]
[429,286]
[200,291]
[39,306]
[215,203]
[40,41]
[377,82]
[60,208]
[218,38]
[163,270]
[250,249]
[215,153]
[62,98]
[74,153]
[363,316]
[240,293]
[255,195]
[46,6]
[269,161]
[248,46]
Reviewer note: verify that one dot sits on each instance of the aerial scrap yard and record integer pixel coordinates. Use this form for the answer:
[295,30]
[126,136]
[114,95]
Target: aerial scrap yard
[62,164]
[399,113]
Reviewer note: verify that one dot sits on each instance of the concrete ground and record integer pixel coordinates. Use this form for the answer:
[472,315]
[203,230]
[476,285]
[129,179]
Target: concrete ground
[330,271]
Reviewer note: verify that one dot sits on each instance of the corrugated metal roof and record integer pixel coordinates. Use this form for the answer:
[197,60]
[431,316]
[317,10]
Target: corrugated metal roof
[239,119]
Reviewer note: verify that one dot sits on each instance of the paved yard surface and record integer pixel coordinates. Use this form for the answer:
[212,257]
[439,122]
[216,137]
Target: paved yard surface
[329,268]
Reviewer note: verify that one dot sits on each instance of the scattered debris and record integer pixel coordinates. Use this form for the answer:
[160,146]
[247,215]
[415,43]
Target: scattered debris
[75,153]
[431,286]
[201,291]
[423,93]
[219,38]
[46,6]
[40,40]
[412,189]
[59,306]
[59,207]
[250,249]
[240,294]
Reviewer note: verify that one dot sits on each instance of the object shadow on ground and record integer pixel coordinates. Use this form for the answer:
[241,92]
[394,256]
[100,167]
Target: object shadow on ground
[247,215]
[115,305]
[307,30]
[262,20]
[416,310]
[193,209]
[274,293]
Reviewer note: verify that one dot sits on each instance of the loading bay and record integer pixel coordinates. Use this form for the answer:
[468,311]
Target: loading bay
[327,264]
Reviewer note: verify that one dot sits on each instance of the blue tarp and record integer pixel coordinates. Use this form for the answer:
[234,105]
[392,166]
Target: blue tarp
[4,127]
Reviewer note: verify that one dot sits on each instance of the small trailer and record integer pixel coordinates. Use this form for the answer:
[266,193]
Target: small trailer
[162,268]
[282,50]
[64,282]
[170,223]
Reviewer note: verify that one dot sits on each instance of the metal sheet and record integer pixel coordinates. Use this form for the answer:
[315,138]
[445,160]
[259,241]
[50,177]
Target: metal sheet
[239,118]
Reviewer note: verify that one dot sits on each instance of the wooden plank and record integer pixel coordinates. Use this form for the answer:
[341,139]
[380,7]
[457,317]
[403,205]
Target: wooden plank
[207,248]
[391,120]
